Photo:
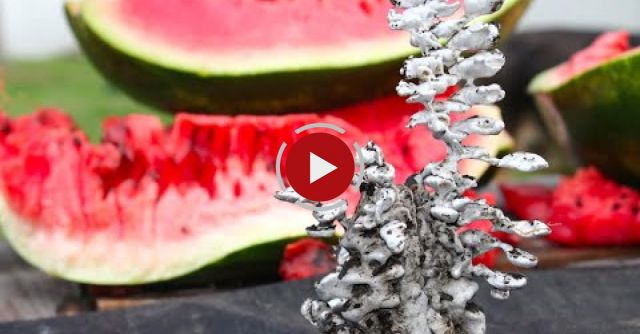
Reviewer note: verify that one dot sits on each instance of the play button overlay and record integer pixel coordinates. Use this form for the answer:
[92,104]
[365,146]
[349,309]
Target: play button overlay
[320,167]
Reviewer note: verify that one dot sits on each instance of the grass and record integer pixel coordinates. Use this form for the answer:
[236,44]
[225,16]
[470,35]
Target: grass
[69,83]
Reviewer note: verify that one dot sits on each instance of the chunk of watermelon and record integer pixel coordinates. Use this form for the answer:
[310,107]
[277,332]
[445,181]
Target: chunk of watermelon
[586,209]
[589,209]
[528,201]
[151,203]
[306,258]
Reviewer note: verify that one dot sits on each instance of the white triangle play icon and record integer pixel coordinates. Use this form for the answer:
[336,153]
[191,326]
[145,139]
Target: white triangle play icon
[318,168]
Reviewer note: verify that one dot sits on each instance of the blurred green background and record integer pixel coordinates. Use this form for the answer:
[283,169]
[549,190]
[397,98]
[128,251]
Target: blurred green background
[68,82]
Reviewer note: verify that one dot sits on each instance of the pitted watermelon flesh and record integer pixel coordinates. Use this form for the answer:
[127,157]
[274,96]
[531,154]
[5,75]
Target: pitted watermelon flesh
[589,209]
[150,203]
[585,209]
[58,180]
[254,24]
[227,157]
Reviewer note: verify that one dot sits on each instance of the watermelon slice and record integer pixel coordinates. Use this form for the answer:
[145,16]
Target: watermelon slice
[528,201]
[585,209]
[253,56]
[149,204]
[591,210]
[591,102]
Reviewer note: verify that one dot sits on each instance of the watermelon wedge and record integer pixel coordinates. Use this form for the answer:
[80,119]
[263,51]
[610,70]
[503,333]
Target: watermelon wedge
[256,57]
[585,209]
[150,203]
[591,102]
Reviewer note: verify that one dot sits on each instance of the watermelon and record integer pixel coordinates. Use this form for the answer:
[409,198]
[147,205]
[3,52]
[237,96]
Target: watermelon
[591,102]
[253,56]
[586,209]
[530,201]
[306,258]
[150,203]
[589,209]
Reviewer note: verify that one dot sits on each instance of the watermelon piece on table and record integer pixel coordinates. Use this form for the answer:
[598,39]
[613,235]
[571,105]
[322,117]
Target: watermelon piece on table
[150,203]
[586,209]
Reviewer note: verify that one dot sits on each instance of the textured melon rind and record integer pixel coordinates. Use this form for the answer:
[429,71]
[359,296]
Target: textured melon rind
[100,260]
[596,113]
[310,85]
[277,92]
[549,81]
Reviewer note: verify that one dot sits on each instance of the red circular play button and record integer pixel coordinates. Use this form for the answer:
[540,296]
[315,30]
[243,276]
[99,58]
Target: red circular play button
[320,167]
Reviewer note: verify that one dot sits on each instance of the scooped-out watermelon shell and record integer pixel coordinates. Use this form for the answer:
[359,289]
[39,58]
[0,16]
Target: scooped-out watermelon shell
[150,204]
[596,113]
[248,57]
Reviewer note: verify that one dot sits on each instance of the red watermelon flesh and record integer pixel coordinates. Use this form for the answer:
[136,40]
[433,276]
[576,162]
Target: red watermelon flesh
[151,203]
[306,258]
[608,46]
[243,24]
[586,209]
[589,209]
[245,37]
[528,201]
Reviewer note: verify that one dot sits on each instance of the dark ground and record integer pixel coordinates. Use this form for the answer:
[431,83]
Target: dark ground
[577,301]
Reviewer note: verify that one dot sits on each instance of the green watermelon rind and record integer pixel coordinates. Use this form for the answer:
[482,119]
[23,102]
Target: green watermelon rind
[595,113]
[267,93]
[391,49]
[508,16]
[309,87]
[548,82]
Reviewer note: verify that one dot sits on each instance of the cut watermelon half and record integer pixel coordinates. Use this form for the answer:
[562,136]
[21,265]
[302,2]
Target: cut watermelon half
[591,102]
[606,48]
[251,56]
[151,203]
